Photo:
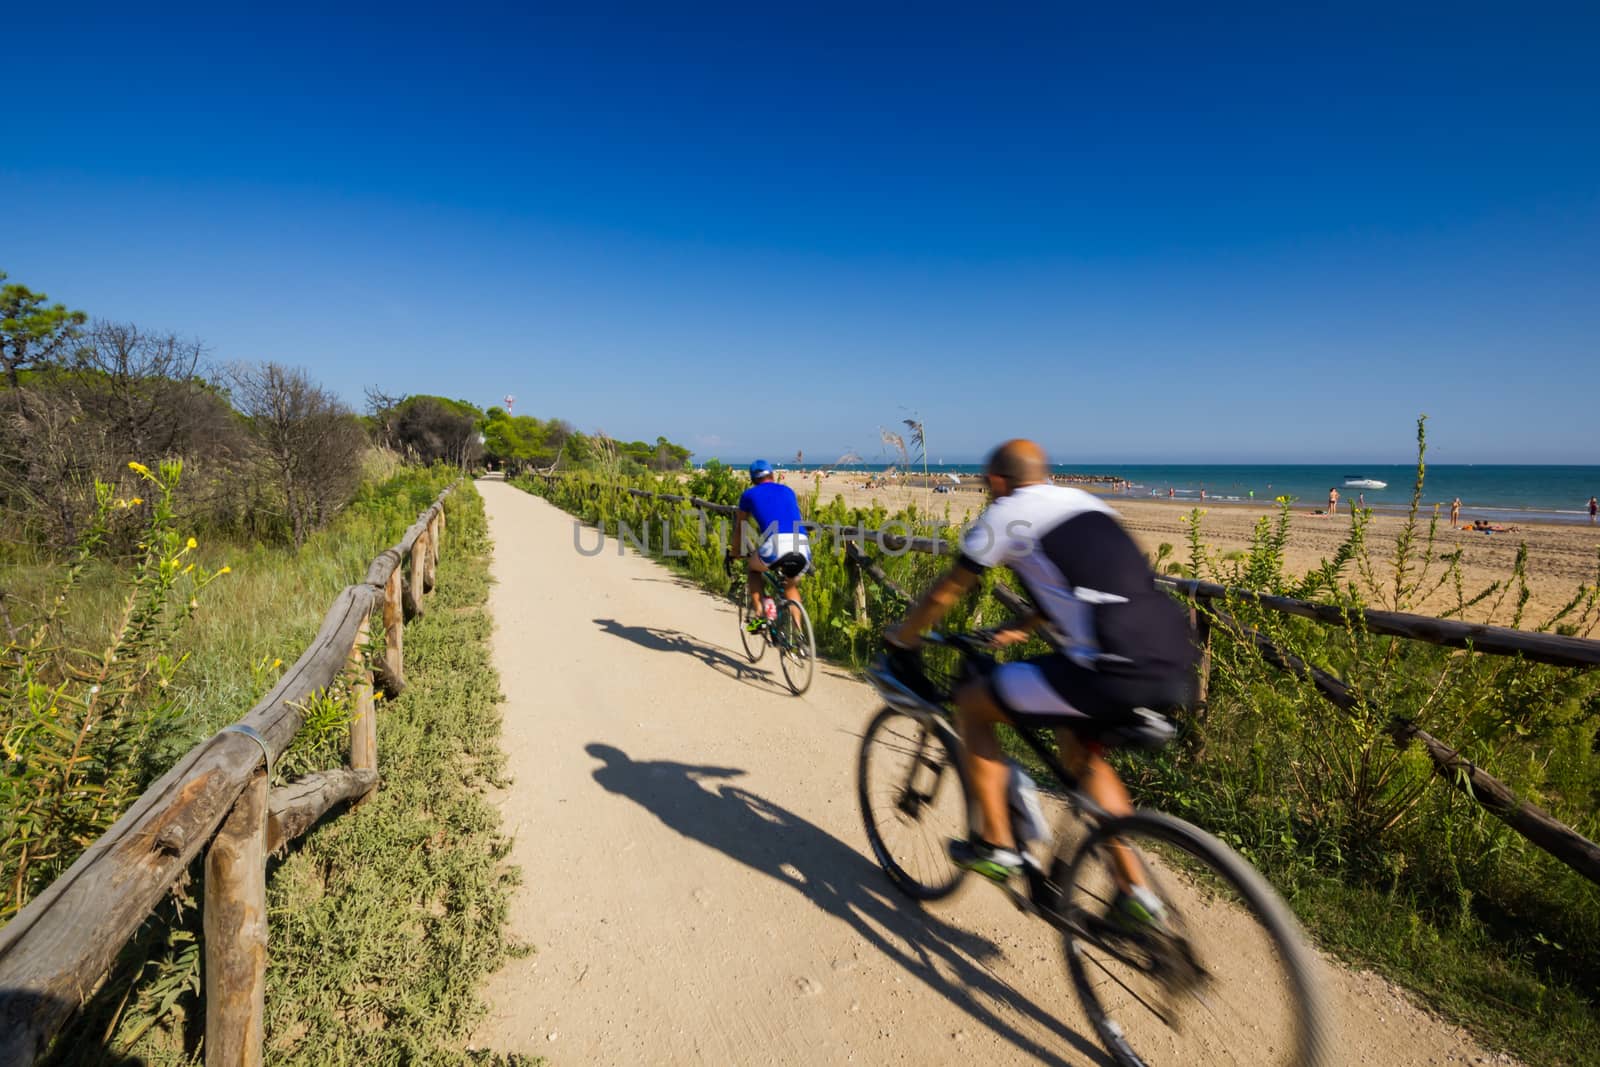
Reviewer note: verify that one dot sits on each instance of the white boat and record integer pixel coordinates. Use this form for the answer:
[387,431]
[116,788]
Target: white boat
[1361,481]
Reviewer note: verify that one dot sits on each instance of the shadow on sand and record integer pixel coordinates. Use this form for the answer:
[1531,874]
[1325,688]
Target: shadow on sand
[727,663]
[834,877]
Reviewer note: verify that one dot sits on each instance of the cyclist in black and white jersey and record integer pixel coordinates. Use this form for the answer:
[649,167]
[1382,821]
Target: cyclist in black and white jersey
[1122,656]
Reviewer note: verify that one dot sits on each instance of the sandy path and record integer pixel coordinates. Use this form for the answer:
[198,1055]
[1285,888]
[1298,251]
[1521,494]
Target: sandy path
[697,885]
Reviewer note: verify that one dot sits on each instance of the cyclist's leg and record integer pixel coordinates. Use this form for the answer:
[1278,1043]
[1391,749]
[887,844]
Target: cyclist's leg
[756,566]
[1077,703]
[1099,779]
[987,770]
[791,590]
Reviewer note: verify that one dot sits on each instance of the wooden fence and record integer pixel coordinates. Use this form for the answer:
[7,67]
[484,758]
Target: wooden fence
[217,798]
[1209,610]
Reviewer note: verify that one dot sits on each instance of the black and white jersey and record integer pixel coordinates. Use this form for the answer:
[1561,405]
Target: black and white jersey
[1087,577]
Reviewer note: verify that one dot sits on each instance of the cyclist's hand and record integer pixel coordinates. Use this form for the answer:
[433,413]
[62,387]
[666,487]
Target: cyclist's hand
[895,639]
[1013,635]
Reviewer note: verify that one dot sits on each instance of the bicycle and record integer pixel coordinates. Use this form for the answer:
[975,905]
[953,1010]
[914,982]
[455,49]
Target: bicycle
[1155,994]
[789,628]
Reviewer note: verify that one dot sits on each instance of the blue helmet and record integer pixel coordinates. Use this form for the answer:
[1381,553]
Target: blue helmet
[760,469]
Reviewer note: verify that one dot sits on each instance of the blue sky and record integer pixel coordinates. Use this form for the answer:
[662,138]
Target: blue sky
[1239,237]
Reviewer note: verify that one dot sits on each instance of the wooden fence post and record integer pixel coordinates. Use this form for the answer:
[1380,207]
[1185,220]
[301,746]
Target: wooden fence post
[431,558]
[235,930]
[419,572]
[1200,626]
[858,582]
[392,671]
[364,726]
[1201,621]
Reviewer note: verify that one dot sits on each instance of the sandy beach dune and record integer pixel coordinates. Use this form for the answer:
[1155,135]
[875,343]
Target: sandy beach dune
[1561,556]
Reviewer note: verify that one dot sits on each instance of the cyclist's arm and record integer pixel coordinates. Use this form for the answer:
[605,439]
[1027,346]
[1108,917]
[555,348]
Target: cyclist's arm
[939,599]
[986,543]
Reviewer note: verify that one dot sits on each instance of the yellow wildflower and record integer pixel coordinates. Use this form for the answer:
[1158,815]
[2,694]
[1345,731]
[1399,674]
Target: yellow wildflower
[189,568]
[193,544]
[136,501]
[277,663]
[225,569]
[139,468]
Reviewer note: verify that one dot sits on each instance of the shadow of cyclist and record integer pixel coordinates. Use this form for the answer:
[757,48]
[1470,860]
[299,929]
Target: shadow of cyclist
[79,1045]
[834,877]
[723,662]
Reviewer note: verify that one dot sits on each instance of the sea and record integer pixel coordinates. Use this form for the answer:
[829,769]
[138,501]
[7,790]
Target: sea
[1489,491]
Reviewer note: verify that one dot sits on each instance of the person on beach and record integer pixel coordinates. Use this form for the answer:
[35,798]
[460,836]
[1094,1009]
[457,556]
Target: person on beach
[1333,501]
[1455,512]
[1361,500]
[1121,656]
[1594,509]
[775,511]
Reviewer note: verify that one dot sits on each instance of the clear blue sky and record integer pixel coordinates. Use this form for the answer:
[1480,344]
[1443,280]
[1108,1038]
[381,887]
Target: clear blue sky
[1171,238]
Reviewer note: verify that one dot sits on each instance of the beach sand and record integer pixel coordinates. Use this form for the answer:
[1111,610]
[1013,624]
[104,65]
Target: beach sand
[1561,556]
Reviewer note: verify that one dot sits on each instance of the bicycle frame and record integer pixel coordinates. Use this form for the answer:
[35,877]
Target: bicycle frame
[772,583]
[937,717]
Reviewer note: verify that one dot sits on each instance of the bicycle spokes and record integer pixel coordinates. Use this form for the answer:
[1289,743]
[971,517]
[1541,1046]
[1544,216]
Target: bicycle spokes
[1168,987]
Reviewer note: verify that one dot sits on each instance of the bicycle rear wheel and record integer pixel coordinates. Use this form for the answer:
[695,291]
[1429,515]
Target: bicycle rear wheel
[1225,979]
[797,645]
[914,798]
[755,644]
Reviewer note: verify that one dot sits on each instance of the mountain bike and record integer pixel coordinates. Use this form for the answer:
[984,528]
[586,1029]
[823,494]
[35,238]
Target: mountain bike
[789,628]
[1223,978]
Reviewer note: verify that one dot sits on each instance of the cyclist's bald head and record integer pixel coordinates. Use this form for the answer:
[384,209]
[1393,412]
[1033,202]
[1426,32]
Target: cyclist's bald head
[1019,462]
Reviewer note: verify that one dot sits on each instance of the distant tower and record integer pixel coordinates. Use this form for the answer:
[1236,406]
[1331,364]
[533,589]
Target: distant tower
[509,401]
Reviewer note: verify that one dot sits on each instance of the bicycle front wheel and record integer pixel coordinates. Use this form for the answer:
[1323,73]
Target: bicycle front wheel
[914,799]
[1224,977]
[797,645]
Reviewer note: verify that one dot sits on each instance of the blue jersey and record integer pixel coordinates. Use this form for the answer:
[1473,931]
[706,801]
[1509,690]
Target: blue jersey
[773,507]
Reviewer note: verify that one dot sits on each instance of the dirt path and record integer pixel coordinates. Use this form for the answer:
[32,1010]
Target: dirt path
[697,885]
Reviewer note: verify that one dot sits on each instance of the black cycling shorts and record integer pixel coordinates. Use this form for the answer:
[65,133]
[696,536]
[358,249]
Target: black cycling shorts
[1054,692]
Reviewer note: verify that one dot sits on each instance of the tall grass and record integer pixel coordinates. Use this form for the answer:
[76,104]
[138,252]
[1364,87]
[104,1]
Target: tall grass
[238,634]
[1387,865]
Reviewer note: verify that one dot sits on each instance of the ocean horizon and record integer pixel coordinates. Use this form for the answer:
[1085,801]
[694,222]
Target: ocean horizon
[1547,492]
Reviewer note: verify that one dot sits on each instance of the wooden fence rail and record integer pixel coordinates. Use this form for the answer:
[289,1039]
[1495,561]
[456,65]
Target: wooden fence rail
[1209,602]
[56,950]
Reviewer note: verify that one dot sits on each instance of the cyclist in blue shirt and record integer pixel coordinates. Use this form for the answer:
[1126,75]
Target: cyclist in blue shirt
[782,542]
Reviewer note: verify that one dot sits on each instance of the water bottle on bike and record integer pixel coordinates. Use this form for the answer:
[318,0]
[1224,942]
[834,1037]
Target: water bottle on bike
[1028,824]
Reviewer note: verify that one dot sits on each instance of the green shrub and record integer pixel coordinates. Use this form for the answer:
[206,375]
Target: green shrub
[82,726]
